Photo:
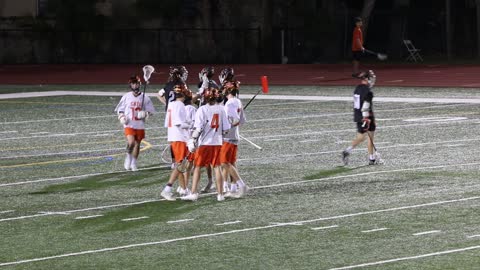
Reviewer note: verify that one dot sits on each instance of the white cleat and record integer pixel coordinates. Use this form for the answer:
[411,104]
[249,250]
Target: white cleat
[220,198]
[126,164]
[167,196]
[183,192]
[134,167]
[190,197]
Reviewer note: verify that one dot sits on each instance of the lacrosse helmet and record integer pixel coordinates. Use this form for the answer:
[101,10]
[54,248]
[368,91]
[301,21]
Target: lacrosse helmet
[135,83]
[369,76]
[227,74]
[209,71]
[181,90]
[230,87]
[178,73]
[211,95]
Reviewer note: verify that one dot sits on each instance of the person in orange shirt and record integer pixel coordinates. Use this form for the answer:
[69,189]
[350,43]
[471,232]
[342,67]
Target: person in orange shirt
[357,46]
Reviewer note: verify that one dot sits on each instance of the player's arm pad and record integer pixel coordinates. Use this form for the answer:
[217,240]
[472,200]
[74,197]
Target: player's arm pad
[196,133]
[366,109]
[161,92]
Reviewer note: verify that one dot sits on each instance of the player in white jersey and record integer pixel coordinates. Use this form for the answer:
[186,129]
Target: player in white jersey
[176,122]
[210,124]
[228,155]
[132,110]
[191,111]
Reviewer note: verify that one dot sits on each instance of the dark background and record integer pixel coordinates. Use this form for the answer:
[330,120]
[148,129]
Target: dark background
[249,31]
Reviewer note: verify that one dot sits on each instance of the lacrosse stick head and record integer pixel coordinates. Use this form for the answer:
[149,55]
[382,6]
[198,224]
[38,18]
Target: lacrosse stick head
[183,166]
[167,155]
[147,72]
[134,82]
[209,71]
[227,74]
[382,56]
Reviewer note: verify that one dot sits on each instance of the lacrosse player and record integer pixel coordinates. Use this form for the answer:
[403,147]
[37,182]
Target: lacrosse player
[177,75]
[190,118]
[206,80]
[176,122]
[210,124]
[132,115]
[357,46]
[228,154]
[363,116]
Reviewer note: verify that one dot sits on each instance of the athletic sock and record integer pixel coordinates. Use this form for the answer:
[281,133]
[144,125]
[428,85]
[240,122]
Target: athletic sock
[168,188]
[349,149]
[233,187]
[372,157]
[240,183]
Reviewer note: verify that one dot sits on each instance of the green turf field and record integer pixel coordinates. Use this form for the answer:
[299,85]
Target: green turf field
[67,203]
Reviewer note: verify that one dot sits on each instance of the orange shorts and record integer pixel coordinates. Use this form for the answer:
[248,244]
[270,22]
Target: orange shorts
[179,150]
[138,134]
[207,155]
[228,154]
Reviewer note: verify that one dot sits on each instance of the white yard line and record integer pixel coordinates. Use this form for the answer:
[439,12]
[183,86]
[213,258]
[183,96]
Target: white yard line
[324,228]
[135,218]
[7,211]
[68,153]
[89,217]
[473,236]
[228,223]
[180,220]
[407,258]
[375,230]
[427,232]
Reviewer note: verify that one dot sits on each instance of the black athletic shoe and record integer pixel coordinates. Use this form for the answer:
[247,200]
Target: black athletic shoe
[345,155]
[371,162]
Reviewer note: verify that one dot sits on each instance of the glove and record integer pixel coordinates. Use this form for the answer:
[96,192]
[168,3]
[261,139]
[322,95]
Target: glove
[142,115]
[192,145]
[161,92]
[123,119]
[366,124]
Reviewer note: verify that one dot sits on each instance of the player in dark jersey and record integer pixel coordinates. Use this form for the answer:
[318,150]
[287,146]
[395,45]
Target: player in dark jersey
[178,75]
[205,81]
[363,116]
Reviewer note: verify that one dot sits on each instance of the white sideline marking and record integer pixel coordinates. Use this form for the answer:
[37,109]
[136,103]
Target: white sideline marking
[228,223]
[38,133]
[407,258]
[181,220]
[436,119]
[54,213]
[427,232]
[8,131]
[324,228]
[375,230]
[7,211]
[136,218]
[473,236]
[69,153]
[87,217]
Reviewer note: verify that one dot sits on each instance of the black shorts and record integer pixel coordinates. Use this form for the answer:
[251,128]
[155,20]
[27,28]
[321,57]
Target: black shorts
[357,55]
[372,127]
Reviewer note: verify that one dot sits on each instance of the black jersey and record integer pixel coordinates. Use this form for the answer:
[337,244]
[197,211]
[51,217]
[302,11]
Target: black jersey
[169,93]
[361,94]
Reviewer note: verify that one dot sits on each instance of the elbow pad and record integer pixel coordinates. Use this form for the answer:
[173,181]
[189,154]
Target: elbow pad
[366,109]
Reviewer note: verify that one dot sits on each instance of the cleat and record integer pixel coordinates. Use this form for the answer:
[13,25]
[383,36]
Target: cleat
[207,189]
[190,197]
[126,164]
[183,192]
[134,167]
[220,198]
[372,162]
[345,155]
[167,196]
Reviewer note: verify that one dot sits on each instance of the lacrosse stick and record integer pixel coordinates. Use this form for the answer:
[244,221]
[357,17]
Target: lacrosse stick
[264,89]
[147,72]
[183,166]
[378,157]
[254,145]
[167,155]
[380,56]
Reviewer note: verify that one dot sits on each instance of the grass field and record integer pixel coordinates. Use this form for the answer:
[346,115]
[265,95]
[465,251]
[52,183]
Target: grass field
[67,203]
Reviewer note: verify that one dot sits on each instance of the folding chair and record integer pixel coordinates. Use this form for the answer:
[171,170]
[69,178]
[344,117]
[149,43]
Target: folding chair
[414,53]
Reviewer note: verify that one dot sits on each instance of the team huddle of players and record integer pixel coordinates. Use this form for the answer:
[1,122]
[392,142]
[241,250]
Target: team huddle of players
[203,137]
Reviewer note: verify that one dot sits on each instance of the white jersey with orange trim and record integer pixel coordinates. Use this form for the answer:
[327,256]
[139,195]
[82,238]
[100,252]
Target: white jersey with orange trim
[234,110]
[213,120]
[130,105]
[176,122]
